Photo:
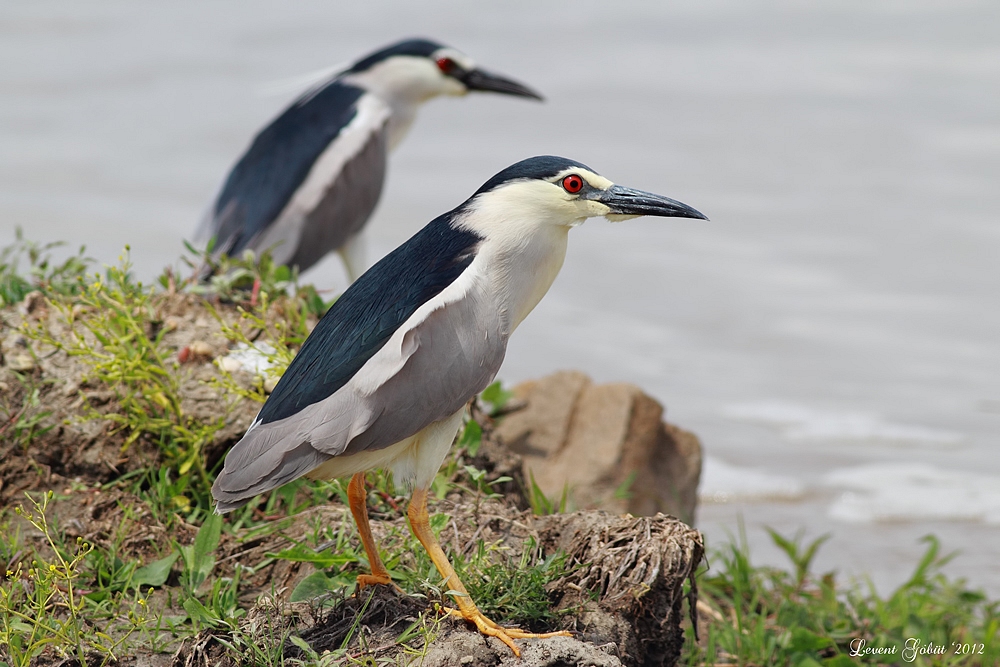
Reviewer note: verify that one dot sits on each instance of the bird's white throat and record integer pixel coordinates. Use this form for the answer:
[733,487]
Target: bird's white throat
[525,228]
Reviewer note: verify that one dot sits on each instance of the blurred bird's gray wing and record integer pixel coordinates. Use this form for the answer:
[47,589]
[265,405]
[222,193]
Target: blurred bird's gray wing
[408,344]
[292,168]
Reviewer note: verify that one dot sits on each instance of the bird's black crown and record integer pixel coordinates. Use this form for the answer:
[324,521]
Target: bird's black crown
[408,47]
[539,167]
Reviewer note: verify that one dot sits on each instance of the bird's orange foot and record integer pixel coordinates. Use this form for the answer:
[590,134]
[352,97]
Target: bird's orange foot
[506,635]
[373,580]
[376,580]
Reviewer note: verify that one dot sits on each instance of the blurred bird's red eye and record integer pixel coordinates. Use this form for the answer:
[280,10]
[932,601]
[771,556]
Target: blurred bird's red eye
[573,184]
[445,64]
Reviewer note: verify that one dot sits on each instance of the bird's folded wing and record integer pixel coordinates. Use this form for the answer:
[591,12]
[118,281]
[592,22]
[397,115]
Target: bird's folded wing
[446,353]
[411,338]
[335,200]
[278,161]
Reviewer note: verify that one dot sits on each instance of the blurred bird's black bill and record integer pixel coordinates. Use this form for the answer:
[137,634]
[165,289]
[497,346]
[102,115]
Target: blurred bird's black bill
[478,79]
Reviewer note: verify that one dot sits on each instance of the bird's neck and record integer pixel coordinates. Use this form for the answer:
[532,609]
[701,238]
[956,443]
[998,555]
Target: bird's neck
[401,93]
[522,268]
[400,120]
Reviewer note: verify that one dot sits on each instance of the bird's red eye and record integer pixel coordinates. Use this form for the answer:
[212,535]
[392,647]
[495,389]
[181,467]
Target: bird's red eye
[445,64]
[573,184]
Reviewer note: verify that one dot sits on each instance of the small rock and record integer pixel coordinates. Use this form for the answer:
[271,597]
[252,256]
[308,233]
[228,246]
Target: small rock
[16,340]
[229,364]
[20,362]
[253,359]
[99,397]
[33,301]
[171,323]
[270,383]
[199,350]
[607,444]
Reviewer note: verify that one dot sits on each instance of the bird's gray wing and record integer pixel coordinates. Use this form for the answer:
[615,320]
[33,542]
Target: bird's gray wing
[340,192]
[279,163]
[349,199]
[449,350]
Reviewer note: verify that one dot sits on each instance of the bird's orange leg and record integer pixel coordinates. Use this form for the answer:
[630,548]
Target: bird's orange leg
[467,609]
[357,495]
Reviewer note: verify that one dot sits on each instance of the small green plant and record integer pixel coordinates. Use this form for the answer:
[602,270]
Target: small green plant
[266,337]
[220,606]
[21,425]
[542,505]
[43,273]
[235,279]
[262,643]
[115,330]
[199,558]
[495,398]
[243,279]
[167,494]
[624,490]
[483,488]
[42,607]
[513,587]
[216,606]
[801,558]
[471,437]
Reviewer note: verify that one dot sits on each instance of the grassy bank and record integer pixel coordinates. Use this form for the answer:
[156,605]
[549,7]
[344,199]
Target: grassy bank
[114,419]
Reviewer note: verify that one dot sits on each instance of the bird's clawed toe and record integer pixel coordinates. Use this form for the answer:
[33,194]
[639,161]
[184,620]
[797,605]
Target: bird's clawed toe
[506,635]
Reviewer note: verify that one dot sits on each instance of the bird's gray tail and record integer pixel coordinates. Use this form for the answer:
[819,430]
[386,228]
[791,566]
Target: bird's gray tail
[259,463]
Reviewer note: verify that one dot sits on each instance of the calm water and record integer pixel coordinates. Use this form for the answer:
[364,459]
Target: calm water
[833,335]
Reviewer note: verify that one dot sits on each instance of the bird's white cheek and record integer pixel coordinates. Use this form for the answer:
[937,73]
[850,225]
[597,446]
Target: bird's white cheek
[572,212]
[453,87]
[595,209]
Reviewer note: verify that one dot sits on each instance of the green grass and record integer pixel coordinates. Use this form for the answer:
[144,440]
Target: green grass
[27,266]
[794,617]
[112,323]
[512,586]
[113,327]
[43,603]
[25,420]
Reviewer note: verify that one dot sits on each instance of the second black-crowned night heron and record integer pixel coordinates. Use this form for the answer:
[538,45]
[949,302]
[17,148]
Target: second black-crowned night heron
[384,378]
[310,179]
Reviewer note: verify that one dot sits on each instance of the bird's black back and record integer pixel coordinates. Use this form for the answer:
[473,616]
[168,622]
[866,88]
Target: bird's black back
[363,319]
[277,163]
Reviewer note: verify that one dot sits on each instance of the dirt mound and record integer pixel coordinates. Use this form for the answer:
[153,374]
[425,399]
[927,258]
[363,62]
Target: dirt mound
[57,394]
[624,585]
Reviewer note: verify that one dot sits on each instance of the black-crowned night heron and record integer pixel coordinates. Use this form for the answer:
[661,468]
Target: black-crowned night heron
[384,378]
[309,180]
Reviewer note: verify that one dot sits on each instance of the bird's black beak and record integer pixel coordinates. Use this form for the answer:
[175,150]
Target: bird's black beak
[626,201]
[477,79]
